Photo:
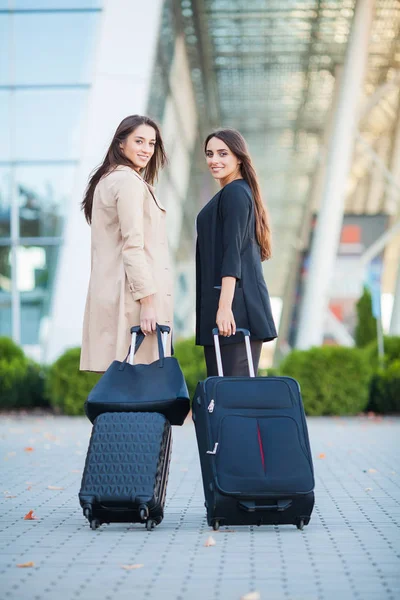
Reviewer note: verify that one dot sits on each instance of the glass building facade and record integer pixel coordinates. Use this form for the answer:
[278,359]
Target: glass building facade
[46,54]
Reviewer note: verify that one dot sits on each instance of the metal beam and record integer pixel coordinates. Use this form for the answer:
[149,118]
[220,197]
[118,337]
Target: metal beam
[378,94]
[327,232]
[379,244]
[379,162]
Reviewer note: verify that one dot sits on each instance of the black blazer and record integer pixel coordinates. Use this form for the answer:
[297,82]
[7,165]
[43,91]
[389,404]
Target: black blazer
[227,246]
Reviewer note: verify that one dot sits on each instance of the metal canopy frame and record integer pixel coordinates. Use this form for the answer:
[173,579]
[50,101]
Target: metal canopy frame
[268,69]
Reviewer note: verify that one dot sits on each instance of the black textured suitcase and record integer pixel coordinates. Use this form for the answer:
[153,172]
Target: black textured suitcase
[254,449]
[126,470]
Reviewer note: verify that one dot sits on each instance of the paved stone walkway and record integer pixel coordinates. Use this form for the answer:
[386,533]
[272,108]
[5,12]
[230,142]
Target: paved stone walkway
[350,550]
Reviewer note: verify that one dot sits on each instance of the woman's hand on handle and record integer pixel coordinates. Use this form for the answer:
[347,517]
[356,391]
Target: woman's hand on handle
[148,318]
[226,322]
[225,319]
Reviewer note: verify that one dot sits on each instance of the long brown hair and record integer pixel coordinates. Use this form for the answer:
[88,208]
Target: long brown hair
[115,157]
[237,144]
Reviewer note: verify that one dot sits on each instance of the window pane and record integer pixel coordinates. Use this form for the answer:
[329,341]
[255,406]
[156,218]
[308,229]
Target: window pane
[36,267]
[54,48]
[55,3]
[31,318]
[5,202]
[5,291]
[5,123]
[43,195]
[47,124]
[5,27]
[5,315]
[5,269]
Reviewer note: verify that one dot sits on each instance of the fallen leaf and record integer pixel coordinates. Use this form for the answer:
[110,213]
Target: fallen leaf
[210,541]
[49,436]
[10,496]
[322,455]
[251,596]
[54,487]
[29,449]
[27,564]
[29,483]
[29,487]
[30,516]
[368,489]
[131,567]
[372,471]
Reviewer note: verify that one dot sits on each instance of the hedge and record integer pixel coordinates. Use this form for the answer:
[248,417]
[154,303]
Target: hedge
[333,380]
[391,345]
[191,360]
[67,386]
[21,379]
[385,389]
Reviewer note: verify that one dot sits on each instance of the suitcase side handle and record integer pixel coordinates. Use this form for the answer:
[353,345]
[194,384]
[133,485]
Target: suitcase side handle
[279,505]
[246,334]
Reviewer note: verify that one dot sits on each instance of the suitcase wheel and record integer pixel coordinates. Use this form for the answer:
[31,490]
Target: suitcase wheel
[215,525]
[87,513]
[300,524]
[94,524]
[144,513]
[150,524]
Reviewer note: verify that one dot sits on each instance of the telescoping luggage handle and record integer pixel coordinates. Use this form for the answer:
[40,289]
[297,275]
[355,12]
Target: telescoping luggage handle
[162,330]
[246,334]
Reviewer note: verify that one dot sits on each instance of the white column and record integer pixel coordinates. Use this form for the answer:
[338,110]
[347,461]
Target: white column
[395,319]
[393,207]
[328,228]
[124,60]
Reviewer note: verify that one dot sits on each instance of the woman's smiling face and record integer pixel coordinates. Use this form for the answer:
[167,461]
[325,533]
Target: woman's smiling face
[221,161]
[139,146]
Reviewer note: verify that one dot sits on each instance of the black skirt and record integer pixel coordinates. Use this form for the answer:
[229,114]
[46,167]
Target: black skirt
[234,359]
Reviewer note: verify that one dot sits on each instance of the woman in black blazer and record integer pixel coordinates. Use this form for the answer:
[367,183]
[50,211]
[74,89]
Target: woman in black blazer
[233,238]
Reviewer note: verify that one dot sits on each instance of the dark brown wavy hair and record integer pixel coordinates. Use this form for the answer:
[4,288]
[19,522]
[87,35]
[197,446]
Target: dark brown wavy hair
[237,144]
[115,157]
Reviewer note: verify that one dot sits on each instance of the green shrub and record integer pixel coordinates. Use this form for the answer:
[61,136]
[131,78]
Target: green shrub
[366,323]
[334,380]
[35,382]
[12,375]
[391,346]
[68,387]
[21,380]
[9,350]
[191,360]
[384,396]
[271,372]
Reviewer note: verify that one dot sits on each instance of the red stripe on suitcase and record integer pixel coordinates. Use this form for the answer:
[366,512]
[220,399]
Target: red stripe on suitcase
[261,446]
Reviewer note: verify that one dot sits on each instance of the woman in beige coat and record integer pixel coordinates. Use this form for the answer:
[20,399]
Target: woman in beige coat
[131,279]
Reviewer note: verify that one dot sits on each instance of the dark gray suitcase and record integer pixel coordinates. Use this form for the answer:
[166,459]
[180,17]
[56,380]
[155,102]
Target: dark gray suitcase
[254,449]
[126,471]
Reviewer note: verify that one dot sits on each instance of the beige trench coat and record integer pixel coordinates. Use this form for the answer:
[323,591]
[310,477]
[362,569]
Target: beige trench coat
[129,260]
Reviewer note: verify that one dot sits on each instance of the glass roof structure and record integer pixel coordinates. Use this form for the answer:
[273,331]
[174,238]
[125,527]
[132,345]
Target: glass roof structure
[269,68]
